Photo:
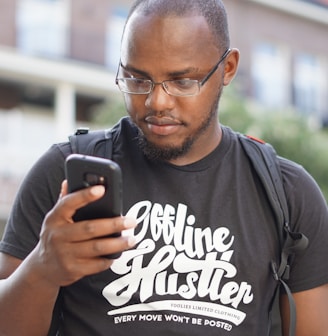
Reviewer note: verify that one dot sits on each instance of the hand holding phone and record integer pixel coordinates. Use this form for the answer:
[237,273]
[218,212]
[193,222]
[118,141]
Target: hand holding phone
[83,171]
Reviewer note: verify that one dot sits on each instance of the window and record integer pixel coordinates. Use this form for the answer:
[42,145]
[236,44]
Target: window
[115,28]
[270,74]
[310,85]
[42,27]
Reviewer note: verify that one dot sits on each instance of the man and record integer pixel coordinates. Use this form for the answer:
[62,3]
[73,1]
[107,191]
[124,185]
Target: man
[198,260]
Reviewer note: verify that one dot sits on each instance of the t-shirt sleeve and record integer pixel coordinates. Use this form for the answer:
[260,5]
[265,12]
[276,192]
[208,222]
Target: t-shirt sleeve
[36,196]
[308,215]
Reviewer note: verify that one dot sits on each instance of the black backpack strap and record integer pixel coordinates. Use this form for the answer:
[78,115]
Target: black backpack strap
[94,143]
[265,162]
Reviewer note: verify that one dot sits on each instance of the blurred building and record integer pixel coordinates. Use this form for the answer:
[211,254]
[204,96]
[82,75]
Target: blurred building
[284,53]
[323,3]
[58,60]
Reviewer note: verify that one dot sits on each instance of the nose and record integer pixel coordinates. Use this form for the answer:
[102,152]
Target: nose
[158,99]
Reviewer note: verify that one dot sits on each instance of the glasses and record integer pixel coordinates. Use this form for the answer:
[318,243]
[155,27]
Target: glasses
[177,87]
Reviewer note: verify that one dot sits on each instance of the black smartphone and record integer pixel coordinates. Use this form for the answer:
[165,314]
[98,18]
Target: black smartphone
[83,171]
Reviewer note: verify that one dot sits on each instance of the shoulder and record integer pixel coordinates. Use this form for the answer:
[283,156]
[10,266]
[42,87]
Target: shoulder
[297,181]
[54,157]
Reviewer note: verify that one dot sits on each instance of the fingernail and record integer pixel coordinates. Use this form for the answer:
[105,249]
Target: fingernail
[131,241]
[129,223]
[97,190]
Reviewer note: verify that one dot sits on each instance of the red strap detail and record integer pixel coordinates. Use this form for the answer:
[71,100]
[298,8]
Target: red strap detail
[256,139]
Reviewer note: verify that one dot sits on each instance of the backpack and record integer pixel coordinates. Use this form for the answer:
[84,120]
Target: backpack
[265,161]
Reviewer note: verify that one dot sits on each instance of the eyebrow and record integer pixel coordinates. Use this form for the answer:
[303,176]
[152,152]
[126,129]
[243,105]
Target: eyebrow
[189,70]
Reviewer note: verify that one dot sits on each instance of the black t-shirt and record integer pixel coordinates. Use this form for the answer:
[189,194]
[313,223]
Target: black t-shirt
[205,239]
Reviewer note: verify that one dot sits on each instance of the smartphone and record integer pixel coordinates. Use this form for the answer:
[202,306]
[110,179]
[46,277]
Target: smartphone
[83,171]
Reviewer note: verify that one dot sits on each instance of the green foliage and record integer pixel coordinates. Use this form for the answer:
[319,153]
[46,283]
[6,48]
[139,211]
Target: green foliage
[109,113]
[289,133]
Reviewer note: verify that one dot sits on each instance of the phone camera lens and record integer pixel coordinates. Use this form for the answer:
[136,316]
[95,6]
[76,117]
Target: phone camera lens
[94,179]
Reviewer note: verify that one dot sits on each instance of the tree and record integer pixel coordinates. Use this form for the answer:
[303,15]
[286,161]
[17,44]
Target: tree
[289,133]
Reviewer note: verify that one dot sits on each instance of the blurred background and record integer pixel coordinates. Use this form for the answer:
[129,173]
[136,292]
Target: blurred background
[58,60]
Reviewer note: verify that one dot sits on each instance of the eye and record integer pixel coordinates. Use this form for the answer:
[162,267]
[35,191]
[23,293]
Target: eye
[184,83]
[139,81]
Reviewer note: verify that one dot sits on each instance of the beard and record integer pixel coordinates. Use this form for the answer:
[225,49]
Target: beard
[170,152]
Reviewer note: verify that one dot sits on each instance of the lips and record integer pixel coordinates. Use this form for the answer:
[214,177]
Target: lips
[162,125]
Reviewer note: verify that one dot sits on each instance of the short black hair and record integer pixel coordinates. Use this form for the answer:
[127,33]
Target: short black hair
[212,10]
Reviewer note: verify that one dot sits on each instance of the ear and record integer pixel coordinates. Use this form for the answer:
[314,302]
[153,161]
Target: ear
[231,66]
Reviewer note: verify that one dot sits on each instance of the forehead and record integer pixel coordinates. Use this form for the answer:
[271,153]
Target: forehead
[168,41]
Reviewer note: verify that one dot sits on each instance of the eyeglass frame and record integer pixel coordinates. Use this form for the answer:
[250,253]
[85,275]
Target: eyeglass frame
[199,82]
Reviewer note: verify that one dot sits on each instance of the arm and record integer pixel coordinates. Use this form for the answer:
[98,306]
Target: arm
[312,312]
[29,288]
[309,271]
[23,295]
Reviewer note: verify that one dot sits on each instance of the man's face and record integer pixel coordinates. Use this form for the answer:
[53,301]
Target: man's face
[177,129]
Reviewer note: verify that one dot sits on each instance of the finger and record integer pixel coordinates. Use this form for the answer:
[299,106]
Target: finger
[103,246]
[96,228]
[69,203]
[63,190]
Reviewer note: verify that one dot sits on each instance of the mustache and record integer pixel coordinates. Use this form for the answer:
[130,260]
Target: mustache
[162,118]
